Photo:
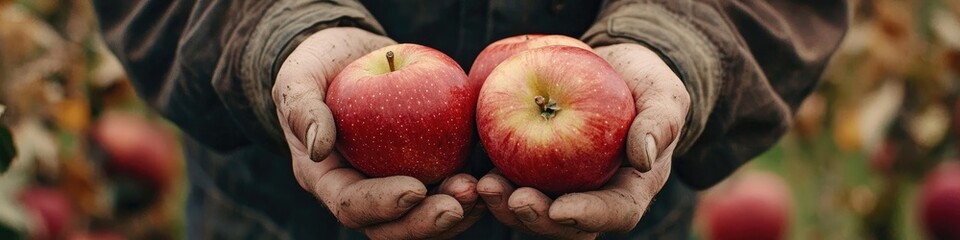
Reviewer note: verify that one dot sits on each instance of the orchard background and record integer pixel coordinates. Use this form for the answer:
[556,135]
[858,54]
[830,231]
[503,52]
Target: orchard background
[885,114]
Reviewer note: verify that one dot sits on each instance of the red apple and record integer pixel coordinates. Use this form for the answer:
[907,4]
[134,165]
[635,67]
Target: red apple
[404,109]
[51,212]
[754,206]
[496,52]
[940,202]
[137,148]
[140,160]
[555,118]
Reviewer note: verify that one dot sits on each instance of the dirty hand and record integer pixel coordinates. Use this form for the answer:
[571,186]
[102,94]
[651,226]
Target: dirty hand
[383,208]
[662,103]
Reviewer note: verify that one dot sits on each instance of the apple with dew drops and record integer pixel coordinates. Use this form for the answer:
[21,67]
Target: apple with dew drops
[404,109]
[555,118]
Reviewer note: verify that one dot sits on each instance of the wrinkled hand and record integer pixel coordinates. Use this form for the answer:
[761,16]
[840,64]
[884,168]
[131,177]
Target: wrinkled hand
[662,103]
[383,208]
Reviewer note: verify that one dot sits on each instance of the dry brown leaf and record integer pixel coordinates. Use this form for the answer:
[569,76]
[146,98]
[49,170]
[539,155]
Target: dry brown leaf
[894,42]
[72,114]
[877,111]
[846,129]
[809,118]
[81,183]
[862,200]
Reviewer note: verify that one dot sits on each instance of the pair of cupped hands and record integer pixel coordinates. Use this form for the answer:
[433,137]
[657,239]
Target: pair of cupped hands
[401,207]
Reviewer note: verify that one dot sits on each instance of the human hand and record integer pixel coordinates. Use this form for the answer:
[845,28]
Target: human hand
[662,104]
[396,207]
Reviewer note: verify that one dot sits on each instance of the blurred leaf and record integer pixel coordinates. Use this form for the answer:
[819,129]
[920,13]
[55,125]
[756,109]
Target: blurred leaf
[930,126]
[108,70]
[7,151]
[14,222]
[877,111]
[7,232]
[846,131]
[36,145]
[946,26]
[72,114]
[810,115]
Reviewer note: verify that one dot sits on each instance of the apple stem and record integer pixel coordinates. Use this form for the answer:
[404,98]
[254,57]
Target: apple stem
[548,107]
[390,60]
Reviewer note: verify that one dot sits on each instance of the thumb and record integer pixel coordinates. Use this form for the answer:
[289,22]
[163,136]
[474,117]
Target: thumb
[653,135]
[662,103]
[301,84]
[661,113]
[304,116]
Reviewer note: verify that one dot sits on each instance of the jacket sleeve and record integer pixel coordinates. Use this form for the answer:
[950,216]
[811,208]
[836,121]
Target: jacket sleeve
[208,66]
[746,64]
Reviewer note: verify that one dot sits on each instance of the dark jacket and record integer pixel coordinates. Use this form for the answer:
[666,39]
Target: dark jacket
[209,66]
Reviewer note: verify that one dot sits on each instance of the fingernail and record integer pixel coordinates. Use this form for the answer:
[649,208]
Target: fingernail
[409,199]
[651,149]
[568,222]
[311,141]
[526,214]
[493,199]
[447,219]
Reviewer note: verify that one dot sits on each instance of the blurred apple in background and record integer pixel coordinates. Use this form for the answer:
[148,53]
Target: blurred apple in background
[140,158]
[755,205]
[884,157]
[50,210]
[96,235]
[940,201]
[496,52]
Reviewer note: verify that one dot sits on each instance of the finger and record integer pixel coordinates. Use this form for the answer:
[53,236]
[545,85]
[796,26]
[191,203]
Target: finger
[374,200]
[462,187]
[531,207]
[471,217]
[618,207]
[494,189]
[653,133]
[354,200]
[436,214]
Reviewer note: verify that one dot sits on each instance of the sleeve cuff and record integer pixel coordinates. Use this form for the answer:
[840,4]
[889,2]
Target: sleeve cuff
[247,95]
[685,48]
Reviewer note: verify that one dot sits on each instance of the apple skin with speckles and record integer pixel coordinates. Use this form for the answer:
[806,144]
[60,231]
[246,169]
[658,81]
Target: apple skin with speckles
[417,119]
[496,52]
[555,118]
